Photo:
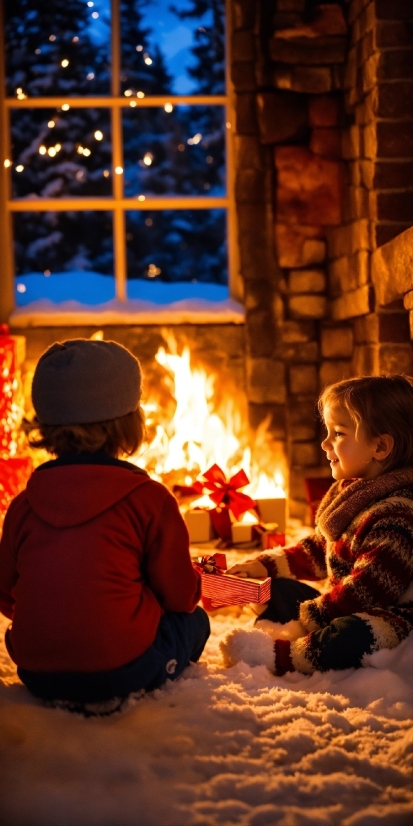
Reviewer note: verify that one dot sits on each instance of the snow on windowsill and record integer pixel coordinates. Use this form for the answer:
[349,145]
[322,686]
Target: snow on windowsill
[46,303]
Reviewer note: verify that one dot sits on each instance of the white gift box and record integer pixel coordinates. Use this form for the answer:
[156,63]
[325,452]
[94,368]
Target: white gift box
[241,532]
[199,525]
[273,511]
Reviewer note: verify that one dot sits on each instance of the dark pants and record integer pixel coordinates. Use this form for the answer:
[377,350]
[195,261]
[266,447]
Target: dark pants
[179,639]
[341,644]
[286,596]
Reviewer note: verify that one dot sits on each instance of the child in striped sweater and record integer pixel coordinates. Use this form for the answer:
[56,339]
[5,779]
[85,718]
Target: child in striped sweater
[363,543]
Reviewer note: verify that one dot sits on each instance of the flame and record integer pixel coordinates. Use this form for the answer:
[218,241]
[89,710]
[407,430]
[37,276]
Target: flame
[199,433]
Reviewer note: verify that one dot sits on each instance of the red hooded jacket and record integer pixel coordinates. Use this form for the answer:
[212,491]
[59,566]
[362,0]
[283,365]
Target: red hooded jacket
[91,557]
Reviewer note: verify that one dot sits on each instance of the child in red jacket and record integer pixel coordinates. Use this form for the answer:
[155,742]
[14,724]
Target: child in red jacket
[95,571]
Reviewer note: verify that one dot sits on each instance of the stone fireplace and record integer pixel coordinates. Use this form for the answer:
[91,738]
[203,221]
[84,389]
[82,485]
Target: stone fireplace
[323,154]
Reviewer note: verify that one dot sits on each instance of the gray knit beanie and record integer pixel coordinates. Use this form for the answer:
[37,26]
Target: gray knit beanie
[82,381]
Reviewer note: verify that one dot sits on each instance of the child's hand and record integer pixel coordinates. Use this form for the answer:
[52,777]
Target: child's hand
[251,567]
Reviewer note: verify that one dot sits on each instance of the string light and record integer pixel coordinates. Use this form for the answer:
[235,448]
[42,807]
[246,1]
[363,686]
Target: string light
[147,59]
[228,125]
[37,51]
[51,124]
[139,48]
[90,4]
[140,95]
[42,150]
[181,147]
[98,135]
[147,159]
[21,288]
[209,159]
[7,163]
[148,222]
[106,173]
[65,107]
[133,103]
[51,151]
[90,76]
[141,198]
[95,15]
[52,37]
[128,93]
[19,168]
[64,63]
[79,150]
[153,271]
[196,139]
[119,170]
[75,40]
[47,273]
[168,107]
[58,147]
[87,152]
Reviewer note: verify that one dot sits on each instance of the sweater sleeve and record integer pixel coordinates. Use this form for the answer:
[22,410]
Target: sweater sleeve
[8,568]
[169,569]
[382,571]
[306,560]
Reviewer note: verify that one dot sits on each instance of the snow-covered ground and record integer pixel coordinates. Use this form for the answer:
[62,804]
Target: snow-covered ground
[236,747]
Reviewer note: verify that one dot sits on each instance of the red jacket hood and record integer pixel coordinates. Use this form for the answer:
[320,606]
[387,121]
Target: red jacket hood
[70,495]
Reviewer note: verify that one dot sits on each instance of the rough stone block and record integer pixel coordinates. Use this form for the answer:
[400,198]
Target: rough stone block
[281,116]
[352,304]
[337,342]
[350,144]
[299,246]
[265,381]
[303,353]
[366,329]
[246,115]
[392,33]
[334,370]
[308,51]
[303,379]
[309,187]
[243,12]
[298,332]
[392,267]
[383,233]
[243,76]
[260,333]
[387,139]
[273,414]
[392,174]
[307,281]
[303,418]
[253,186]
[257,294]
[248,152]
[393,100]
[396,358]
[392,206]
[313,80]
[305,454]
[393,327]
[326,142]
[349,272]
[347,239]
[242,46]
[323,110]
[366,360]
[307,306]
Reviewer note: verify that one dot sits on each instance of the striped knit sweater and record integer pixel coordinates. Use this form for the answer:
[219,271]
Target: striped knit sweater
[363,543]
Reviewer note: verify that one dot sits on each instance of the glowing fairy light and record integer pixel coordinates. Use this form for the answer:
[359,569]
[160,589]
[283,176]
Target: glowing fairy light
[133,104]
[106,173]
[87,152]
[140,95]
[90,76]
[79,175]
[47,273]
[79,150]
[148,222]
[19,168]
[196,139]
[147,59]
[95,15]
[7,163]
[64,62]
[141,198]
[98,135]
[128,93]
[52,38]
[58,147]
[148,158]
[65,107]
[119,170]
[37,51]
[75,40]
[139,48]
[181,147]
[209,159]
[90,4]
[168,107]
[228,125]
[153,271]
[51,124]
[42,150]
[51,151]
[21,288]
[20,94]
[19,90]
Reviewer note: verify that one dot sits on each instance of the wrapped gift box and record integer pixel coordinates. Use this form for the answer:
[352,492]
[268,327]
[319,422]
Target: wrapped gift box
[199,525]
[273,510]
[220,588]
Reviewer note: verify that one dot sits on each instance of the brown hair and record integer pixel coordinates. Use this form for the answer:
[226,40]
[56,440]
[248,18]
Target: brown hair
[378,404]
[116,436]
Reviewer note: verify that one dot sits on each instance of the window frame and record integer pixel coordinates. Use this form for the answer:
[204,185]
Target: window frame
[117,203]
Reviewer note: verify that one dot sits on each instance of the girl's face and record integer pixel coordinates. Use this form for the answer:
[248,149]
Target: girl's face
[349,457]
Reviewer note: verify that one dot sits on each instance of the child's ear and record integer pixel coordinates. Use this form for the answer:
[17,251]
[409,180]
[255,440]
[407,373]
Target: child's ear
[384,446]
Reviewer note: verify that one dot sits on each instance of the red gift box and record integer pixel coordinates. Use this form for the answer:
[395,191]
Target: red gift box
[220,589]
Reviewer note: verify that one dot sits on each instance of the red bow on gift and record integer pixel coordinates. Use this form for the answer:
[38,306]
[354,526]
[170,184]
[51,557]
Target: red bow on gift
[225,492]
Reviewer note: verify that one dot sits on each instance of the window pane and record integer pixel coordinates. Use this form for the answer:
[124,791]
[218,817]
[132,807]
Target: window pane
[57,153]
[173,47]
[171,246]
[57,47]
[63,256]
[179,152]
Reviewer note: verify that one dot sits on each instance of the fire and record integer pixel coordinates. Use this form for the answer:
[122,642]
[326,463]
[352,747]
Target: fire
[198,435]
